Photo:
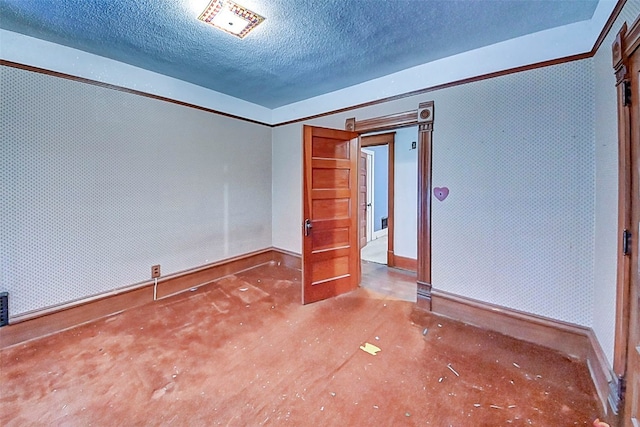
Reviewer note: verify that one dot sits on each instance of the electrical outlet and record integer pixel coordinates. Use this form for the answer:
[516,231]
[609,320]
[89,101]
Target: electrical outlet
[155,271]
[4,308]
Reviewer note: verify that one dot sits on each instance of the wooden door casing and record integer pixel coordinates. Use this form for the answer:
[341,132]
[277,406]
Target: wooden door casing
[626,366]
[363,199]
[331,252]
[632,403]
[387,139]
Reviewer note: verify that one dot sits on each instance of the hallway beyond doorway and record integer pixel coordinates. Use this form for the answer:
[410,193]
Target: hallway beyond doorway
[375,251]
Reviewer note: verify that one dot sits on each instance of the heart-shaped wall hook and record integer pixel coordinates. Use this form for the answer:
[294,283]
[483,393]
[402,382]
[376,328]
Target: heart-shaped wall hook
[441,193]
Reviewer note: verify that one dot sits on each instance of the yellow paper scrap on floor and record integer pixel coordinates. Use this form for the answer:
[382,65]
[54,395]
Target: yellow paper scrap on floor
[370,348]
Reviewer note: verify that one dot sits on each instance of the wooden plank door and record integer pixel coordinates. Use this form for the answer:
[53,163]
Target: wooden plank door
[331,253]
[632,404]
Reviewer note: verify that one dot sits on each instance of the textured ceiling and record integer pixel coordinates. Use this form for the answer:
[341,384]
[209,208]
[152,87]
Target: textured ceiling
[304,48]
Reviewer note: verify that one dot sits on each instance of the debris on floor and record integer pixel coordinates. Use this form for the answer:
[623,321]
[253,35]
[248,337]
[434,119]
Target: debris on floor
[452,370]
[370,348]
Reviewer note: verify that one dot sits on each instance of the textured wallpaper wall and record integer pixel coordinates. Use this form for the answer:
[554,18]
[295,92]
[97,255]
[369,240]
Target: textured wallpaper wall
[97,185]
[517,155]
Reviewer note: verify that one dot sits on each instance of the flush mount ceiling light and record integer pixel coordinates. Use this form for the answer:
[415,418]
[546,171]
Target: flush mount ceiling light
[230,17]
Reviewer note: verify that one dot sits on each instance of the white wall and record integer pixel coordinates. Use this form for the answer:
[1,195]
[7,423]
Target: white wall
[97,185]
[606,202]
[517,153]
[405,241]
[286,188]
[26,50]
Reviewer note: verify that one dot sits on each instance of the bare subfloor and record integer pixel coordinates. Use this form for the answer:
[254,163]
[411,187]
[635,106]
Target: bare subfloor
[245,352]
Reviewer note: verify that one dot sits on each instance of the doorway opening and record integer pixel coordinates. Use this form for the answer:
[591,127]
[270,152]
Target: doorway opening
[376,197]
[423,117]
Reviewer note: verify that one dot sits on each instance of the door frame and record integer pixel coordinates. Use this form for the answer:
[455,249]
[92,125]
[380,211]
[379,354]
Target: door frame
[423,117]
[369,184]
[387,139]
[624,46]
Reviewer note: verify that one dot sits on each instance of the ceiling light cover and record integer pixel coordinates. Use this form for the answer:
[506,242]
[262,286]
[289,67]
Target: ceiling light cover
[230,17]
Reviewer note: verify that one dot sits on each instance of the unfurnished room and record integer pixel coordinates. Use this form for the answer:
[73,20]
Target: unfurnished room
[340,212]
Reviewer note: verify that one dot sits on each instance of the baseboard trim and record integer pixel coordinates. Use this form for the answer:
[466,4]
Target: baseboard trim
[405,263]
[51,320]
[184,281]
[288,258]
[573,340]
[380,233]
[401,262]
[603,376]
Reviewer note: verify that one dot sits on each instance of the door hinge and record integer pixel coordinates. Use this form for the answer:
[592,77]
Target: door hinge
[626,242]
[626,93]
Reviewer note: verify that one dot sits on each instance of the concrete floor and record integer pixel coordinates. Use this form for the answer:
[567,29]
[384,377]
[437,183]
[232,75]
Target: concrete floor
[244,351]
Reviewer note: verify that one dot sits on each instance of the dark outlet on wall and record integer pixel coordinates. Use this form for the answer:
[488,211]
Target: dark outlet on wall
[155,271]
[4,308]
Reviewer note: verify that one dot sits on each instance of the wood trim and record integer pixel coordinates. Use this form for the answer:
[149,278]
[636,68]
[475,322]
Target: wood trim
[624,208]
[57,319]
[573,340]
[601,374]
[387,139]
[391,194]
[565,337]
[423,117]
[426,90]
[632,38]
[198,277]
[67,318]
[625,44]
[626,58]
[617,56]
[124,89]
[289,259]
[405,263]
[391,121]
[425,148]
[377,140]
[391,259]
[608,25]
